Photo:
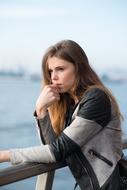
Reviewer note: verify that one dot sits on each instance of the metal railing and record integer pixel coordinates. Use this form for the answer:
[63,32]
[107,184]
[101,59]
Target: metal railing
[22,171]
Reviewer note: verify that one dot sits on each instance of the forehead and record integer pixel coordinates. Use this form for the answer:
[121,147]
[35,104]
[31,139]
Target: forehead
[53,62]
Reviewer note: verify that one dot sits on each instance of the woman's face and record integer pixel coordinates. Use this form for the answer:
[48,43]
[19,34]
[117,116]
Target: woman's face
[62,74]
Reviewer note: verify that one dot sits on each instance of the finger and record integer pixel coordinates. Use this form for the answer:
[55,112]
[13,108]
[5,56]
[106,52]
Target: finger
[54,86]
[54,95]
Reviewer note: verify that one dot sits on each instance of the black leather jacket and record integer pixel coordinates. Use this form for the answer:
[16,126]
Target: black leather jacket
[91,161]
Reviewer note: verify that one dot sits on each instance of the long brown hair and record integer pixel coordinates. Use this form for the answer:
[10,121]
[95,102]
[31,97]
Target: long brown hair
[86,78]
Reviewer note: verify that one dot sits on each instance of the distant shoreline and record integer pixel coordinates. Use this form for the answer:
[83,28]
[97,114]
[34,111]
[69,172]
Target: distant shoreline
[37,77]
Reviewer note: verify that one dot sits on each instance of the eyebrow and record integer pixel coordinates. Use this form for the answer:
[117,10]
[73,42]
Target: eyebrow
[57,67]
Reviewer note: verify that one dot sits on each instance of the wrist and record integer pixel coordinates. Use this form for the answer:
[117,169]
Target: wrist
[5,156]
[41,112]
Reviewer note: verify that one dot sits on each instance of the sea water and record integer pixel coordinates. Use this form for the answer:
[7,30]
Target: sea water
[17,124]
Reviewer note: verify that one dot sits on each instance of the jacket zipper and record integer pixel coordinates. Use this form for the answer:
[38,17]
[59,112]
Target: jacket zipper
[93,152]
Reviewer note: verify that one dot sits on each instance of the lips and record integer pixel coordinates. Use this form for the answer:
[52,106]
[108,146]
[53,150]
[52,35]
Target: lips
[58,85]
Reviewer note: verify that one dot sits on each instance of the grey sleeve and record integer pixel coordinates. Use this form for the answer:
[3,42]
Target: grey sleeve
[82,130]
[41,153]
[33,154]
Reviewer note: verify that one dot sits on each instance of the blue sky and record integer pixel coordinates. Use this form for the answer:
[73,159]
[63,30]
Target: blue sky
[29,27]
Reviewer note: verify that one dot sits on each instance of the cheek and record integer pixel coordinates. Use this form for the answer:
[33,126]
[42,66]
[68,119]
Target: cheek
[69,77]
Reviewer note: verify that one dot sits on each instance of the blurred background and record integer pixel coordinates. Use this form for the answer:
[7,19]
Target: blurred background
[27,29]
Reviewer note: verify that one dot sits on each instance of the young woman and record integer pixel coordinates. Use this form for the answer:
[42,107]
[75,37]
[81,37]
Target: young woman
[78,118]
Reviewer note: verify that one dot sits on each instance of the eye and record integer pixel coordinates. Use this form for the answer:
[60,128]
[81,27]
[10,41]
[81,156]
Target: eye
[50,71]
[59,68]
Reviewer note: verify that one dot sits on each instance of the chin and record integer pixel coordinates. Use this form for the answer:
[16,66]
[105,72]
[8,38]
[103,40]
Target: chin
[63,90]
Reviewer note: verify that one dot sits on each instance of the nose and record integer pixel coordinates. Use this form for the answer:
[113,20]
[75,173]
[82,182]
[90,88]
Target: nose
[54,76]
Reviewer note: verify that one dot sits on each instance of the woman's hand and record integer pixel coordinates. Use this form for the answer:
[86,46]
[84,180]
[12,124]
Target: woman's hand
[4,156]
[49,95]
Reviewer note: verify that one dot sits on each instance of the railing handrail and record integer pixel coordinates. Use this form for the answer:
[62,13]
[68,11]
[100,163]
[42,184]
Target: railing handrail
[124,143]
[26,170]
